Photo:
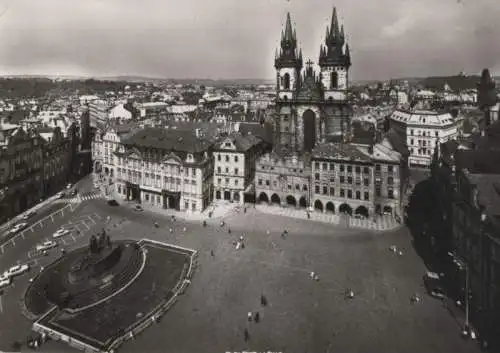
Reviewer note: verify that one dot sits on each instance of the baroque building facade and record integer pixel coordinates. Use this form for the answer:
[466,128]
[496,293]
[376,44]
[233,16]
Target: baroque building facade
[165,169]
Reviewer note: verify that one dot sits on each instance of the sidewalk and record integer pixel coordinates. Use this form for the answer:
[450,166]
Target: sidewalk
[383,223]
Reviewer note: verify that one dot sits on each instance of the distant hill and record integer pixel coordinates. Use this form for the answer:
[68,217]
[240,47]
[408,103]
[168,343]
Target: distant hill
[190,81]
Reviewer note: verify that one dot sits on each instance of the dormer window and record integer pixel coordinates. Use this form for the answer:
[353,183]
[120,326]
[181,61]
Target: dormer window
[227,144]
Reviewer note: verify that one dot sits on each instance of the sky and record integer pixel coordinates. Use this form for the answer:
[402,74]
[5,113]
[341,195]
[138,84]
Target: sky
[227,39]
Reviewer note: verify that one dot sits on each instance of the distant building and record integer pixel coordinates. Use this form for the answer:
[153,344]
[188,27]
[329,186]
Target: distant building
[120,112]
[98,110]
[422,129]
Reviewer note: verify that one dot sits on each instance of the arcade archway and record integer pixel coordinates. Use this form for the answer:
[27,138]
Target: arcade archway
[263,197]
[345,208]
[303,202]
[275,199]
[318,205]
[362,210]
[290,200]
[330,207]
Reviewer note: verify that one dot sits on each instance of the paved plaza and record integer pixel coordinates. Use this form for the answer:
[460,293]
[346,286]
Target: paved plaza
[302,315]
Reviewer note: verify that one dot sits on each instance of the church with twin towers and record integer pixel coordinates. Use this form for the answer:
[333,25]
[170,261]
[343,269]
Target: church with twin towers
[311,107]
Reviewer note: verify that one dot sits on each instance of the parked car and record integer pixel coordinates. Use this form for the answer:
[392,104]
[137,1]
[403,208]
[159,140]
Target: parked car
[113,203]
[18,227]
[5,281]
[60,233]
[28,215]
[18,270]
[432,283]
[138,208]
[60,195]
[46,245]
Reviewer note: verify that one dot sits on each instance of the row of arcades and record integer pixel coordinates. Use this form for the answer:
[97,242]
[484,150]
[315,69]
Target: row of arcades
[318,205]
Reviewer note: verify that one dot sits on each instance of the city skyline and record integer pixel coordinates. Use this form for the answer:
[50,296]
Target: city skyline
[223,39]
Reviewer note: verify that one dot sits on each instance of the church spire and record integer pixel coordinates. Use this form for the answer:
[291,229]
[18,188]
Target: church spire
[289,34]
[347,55]
[334,27]
[289,54]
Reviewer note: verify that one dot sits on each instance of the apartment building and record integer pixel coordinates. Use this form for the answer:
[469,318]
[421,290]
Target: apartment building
[234,166]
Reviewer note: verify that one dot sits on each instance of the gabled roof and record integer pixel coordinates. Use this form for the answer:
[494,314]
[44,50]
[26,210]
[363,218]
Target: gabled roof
[241,143]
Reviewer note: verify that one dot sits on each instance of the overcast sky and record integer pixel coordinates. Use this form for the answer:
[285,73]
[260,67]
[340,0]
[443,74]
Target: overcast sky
[238,38]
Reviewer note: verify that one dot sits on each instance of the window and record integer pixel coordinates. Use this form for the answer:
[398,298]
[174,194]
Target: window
[316,189]
[259,182]
[289,187]
[227,158]
[342,179]
[325,190]
[227,170]
[349,169]
[349,194]
[377,191]
[304,187]
[316,176]
[358,169]
[411,142]
[219,181]
[332,191]
[147,197]
[236,182]
[316,165]
[349,180]
[377,167]
[334,80]
[218,157]
[366,182]
[342,167]
[297,187]
[286,81]
[436,133]
[227,181]
[267,182]
[342,193]
[390,181]
[366,170]
[390,168]
[332,180]
[358,195]
[186,205]
[332,166]
[411,132]
[236,171]
[325,166]
[367,196]
[193,206]
[236,159]
[390,193]
[218,170]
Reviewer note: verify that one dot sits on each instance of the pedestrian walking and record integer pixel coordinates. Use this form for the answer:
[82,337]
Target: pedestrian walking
[249,316]
[184,229]
[229,230]
[241,238]
[246,335]
[212,253]
[204,223]
[257,317]
[263,300]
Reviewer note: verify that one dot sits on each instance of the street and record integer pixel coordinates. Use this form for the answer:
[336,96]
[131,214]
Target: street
[302,315]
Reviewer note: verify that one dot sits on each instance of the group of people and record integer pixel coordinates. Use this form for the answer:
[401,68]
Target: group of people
[254,317]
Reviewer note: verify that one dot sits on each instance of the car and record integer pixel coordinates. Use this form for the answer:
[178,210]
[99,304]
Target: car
[60,195]
[113,203]
[138,208]
[5,281]
[60,233]
[432,282]
[46,245]
[69,186]
[28,215]
[18,270]
[18,227]
[73,193]
[4,276]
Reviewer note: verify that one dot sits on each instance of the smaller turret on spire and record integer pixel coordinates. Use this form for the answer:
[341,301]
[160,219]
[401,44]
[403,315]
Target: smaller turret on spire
[347,55]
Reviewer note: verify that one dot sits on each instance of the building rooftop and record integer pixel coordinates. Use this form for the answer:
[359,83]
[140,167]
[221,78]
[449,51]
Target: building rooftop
[242,143]
[341,151]
[489,191]
[184,141]
[422,117]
